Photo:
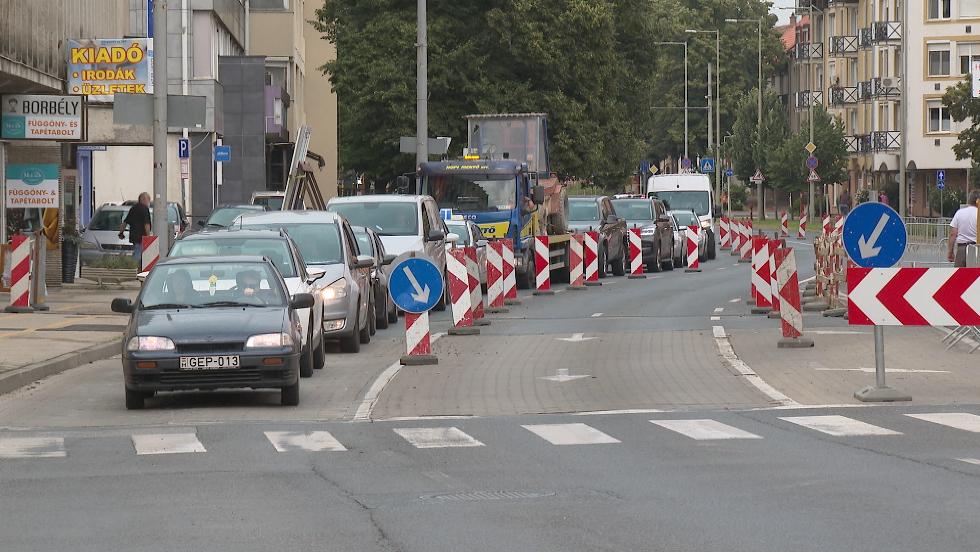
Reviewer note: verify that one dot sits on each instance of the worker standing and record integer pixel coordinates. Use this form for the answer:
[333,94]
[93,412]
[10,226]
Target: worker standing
[963,230]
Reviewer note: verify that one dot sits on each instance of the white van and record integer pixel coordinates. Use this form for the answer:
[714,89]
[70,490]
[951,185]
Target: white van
[688,191]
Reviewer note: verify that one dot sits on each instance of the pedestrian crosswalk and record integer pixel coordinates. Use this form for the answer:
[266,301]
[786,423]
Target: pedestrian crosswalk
[22,445]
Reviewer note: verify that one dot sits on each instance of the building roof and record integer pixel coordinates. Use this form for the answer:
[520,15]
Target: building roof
[788,32]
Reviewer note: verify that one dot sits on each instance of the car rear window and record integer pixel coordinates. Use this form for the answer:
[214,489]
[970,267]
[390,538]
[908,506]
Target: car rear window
[276,250]
[386,218]
[634,209]
[583,210]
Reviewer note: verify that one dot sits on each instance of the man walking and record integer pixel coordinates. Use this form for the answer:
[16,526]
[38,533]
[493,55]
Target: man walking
[963,230]
[844,203]
[138,220]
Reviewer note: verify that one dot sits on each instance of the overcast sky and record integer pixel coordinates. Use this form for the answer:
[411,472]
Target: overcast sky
[782,14]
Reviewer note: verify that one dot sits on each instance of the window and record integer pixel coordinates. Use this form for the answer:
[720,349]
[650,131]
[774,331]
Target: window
[939,9]
[969,8]
[853,29]
[854,121]
[832,25]
[939,59]
[938,117]
[968,53]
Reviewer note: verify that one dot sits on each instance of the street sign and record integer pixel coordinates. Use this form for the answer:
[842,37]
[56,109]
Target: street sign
[644,166]
[940,179]
[707,165]
[415,285]
[913,296]
[685,163]
[810,147]
[812,163]
[814,177]
[653,169]
[183,148]
[222,154]
[729,172]
[940,184]
[757,177]
[874,236]
[185,170]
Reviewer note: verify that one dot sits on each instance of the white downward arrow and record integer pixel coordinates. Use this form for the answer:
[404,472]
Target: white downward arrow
[866,246]
[420,295]
[576,338]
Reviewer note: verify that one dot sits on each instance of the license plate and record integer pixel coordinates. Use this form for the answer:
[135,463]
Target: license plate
[213,362]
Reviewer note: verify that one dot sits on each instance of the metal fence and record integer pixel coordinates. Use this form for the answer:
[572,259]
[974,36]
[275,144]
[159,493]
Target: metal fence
[926,230]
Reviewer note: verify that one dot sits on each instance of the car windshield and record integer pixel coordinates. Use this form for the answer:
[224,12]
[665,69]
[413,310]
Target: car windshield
[688,201]
[364,242]
[229,244]
[460,229]
[224,216]
[387,218]
[212,285]
[272,203]
[685,218]
[583,210]
[473,193]
[634,209]
[318,243]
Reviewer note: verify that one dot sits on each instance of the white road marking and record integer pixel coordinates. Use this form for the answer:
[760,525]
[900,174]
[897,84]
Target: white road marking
[805,280]
[576,338]
[167,443]
[436,437]
[32,447]
[705,430]
[888,370]
[624,411]
[366,408]
[722,267]
[839,426]
[958,420]
[562,376]
[736,300]
[715,318]
[730,358]
[719,309]
[596,314]
[974,461]
[570,434]
[313,441]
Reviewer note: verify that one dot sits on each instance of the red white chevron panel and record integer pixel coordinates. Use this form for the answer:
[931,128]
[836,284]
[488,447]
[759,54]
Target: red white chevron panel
[636,252]
[913,296]
[784,224]
[510,268]
[459,288]
[723,232]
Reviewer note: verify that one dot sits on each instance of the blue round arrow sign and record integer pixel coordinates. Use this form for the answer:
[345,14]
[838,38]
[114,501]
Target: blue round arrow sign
[415,285]
[874,236]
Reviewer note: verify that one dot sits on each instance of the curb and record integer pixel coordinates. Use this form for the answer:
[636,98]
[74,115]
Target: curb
[32,372]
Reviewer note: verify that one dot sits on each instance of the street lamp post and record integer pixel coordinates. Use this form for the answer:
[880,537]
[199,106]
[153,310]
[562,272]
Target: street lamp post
[717,102]
[762,196]
[684,44]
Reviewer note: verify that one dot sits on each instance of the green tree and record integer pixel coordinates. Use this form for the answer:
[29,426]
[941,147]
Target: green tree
[749,152]
[789,172]
[962,106]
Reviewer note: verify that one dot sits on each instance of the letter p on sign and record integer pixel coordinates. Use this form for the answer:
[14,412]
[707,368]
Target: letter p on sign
[183,148]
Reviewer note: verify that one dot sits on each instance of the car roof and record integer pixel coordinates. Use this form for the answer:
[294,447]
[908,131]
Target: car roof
[213,259]
[234,233]
[240,206]
[290,217]
[378,198]
[587,197]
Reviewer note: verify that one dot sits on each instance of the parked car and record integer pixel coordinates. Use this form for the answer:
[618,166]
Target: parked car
[271,201]
[224,215]
[680,242]
[688,218]
[370,244]
[656,230]
[470,236]
[284,255]
[327,243]
[597,213]
[405,223]
[210,323]
[101,237]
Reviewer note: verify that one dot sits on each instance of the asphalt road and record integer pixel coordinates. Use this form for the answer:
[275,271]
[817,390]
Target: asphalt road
[481,453]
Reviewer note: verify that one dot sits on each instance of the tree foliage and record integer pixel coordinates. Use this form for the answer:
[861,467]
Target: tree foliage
[591,65]
[749,152]
[962,106]
[789,172]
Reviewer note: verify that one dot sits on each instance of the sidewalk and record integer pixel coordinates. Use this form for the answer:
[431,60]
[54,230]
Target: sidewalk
[79,329]
[842,361]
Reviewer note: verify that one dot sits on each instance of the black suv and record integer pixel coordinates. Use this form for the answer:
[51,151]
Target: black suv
[587,213]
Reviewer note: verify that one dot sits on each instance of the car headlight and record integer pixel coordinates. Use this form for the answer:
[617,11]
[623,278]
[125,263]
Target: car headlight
[335,290]
[268,341]
[150,343]
[88,245]
[648,231]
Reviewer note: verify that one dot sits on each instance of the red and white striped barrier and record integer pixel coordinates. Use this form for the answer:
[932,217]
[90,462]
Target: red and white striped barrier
[761,282]
[591,241]
[746,242]
[542,266]
[724,229]
[510,273]
[803,220]
[20,275]
[913,296]
[151,253]
[775,257]
[576,272]
[476,293]
[418,342]
[495,278]
[784,224]
[693,237]
[735,235]
[459,293]
[789,303]
[636,254]
[839,225]
[826,225]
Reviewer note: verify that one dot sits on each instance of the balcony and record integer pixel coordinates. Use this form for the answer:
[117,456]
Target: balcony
[879,88]
[843,95]
[882,140]
[276,105]
[886,31]
[803,98]
[865,37]
[843,45]
[858,144]
[808,50]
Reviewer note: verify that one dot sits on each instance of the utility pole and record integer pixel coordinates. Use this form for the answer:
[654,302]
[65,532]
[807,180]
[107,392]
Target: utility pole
[422,106]
[686,141]
[903,185]
[711,143]
[160,126]
[717,195]
[762,193]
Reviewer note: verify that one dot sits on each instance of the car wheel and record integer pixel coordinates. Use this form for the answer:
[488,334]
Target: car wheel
[134,399]
[441,303]
[351,343]
[373,321]
[711,246]
[365,334]
[669,264]
[320,355]
[290,395]
[382,318]
[306,361]
[602,261]
[393,315]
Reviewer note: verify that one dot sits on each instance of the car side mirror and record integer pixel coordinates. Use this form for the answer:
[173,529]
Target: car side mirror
[141,276]
[452,237]
[537,195]
[364,261]
[301,301]
[122,305]
[314,274]
[388,259]
[200,224]
[436,235]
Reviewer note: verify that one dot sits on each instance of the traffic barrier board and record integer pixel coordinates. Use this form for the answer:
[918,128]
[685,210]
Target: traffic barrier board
[913,296]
